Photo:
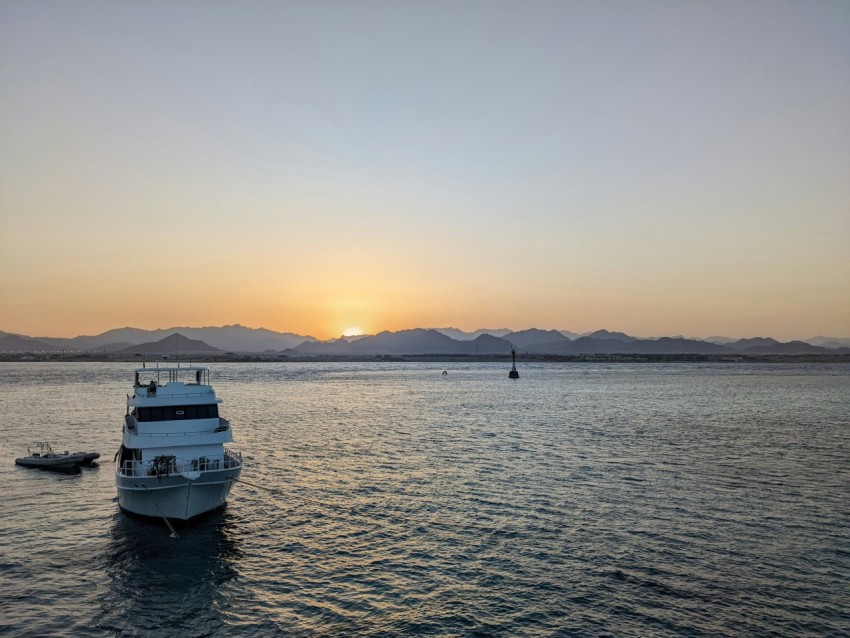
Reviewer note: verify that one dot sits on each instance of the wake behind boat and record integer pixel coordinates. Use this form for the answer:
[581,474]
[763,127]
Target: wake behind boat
[173,462]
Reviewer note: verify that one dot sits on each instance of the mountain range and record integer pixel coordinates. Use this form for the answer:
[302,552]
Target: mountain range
[234,338]
[418,341]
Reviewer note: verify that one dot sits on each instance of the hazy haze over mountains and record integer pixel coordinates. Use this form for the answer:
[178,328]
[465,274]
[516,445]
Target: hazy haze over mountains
[418,341]
[829,342]
[231,338]
[461,335]
[175,343]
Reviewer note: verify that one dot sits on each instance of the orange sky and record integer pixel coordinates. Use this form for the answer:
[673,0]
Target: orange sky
[312,169]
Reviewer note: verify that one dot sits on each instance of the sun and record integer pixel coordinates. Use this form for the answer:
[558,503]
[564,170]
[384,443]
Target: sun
[352,331]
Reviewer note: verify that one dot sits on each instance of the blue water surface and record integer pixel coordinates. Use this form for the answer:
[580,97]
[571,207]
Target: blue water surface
[388,499]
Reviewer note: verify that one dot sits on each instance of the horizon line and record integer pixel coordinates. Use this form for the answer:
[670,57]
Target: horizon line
[563,331]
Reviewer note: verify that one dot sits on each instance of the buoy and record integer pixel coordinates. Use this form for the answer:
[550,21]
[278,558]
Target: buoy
[513,374]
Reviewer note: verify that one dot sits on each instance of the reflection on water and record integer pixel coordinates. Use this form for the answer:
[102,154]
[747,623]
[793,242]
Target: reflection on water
[162,586]
[391,500]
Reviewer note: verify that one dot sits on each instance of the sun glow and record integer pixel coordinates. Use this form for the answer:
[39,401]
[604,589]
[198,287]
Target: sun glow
[352,331]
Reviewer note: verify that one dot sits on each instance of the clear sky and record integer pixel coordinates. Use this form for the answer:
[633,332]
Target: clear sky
[659,167]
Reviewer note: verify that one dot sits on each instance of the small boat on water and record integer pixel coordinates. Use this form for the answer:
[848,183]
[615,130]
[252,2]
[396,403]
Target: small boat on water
[89,457]
[173,462]
[47,459]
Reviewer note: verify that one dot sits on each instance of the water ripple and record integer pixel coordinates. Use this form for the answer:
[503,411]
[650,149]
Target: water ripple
[390,500]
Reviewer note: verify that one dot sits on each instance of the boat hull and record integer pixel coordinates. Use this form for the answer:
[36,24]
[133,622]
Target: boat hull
[181,497]
[62,462]
[89,457]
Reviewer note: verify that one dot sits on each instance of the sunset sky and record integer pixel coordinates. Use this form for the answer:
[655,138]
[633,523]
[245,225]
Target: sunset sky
[661,167]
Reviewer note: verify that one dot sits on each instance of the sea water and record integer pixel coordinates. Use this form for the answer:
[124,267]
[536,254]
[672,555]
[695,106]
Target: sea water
[389,499]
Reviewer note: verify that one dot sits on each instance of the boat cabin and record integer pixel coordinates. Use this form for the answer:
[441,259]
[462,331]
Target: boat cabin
[173,421]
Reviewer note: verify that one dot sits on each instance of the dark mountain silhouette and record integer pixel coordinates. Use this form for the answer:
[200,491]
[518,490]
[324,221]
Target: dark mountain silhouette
[829,342]
[569,334]
[418,341]
[233,338]
[488,344]
[334,347]
[460,335]
[743,344]
[172,344]
[664,345]
[792,347]
[835,345]
[421,342]
[73,345]
[525,338]
[17,343]
[128,336]
[605,335]
[118,346]
[238,338]
[355,337]
[667,345]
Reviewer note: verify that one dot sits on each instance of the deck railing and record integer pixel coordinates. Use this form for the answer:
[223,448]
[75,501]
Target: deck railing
[170,465]
[164,394]
[132,424]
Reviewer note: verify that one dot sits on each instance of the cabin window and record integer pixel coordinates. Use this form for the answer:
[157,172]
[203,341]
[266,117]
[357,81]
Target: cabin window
[177,412]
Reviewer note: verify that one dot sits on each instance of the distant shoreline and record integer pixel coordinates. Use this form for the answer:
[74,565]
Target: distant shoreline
[432,358]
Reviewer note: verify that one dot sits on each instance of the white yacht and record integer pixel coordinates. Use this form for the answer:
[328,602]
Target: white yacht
[173,462]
